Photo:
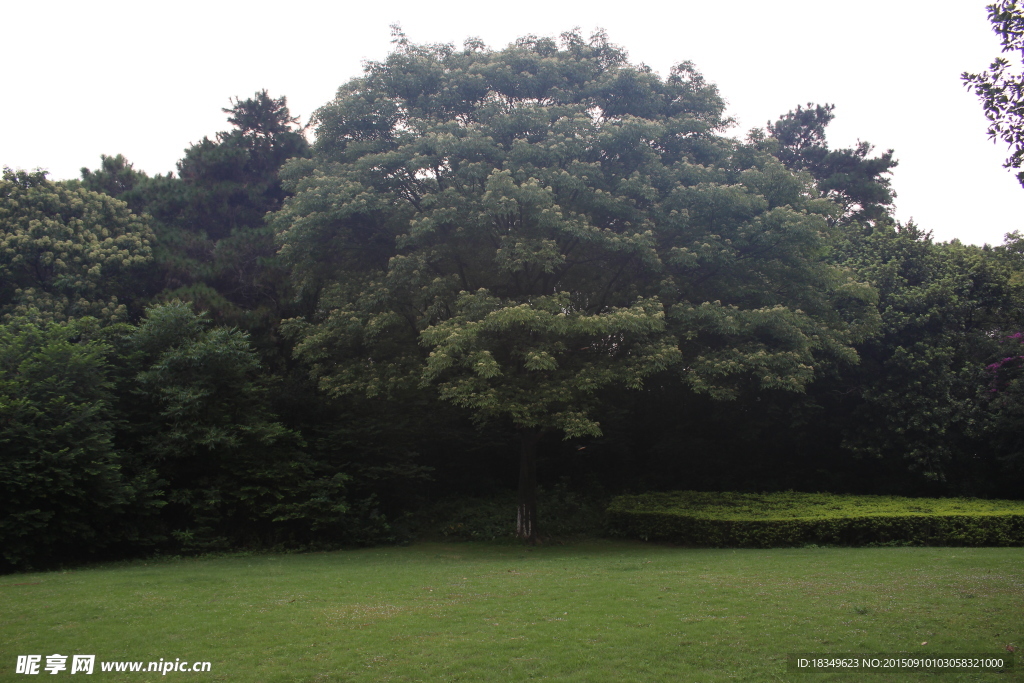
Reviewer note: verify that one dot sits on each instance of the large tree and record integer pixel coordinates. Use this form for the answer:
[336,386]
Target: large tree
[524,229]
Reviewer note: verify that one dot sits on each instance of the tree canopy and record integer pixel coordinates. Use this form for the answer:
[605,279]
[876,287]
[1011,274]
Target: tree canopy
[859,184]
[212,246]
[65,251]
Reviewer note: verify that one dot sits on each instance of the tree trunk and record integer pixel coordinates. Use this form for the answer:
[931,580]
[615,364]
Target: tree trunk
[526,517]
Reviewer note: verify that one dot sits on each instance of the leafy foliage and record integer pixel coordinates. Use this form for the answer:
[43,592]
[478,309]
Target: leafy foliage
[201,415]
[941,304]
[212,247]
[1004,405]
[849,177]
[117,178]
[524,228]
[1000,90]
[65,251]
[64,493]
[231,182]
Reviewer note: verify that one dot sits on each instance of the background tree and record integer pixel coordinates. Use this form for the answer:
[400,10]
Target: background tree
[117,178]
[1000,90]
[943,306]
[66,490]
[849,177]
[1001,419]
[212,246]
[213,249]
[1003,400]
[528,228]
[232,181]
[199,412]
[65,251]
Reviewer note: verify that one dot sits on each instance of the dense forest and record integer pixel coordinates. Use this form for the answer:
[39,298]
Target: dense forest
[493,271]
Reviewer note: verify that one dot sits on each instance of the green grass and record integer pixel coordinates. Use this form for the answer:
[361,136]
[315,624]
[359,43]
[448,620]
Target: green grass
[596,611]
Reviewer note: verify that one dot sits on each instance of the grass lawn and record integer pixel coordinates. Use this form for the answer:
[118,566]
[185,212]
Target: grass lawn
[595,611]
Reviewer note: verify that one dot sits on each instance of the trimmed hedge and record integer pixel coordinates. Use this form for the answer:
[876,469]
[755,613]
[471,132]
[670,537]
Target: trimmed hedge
[772,520]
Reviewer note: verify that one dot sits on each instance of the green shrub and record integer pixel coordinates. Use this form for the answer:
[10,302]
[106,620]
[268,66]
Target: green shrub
[790,519]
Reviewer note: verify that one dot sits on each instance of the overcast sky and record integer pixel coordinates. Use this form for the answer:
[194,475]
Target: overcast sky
[148,79]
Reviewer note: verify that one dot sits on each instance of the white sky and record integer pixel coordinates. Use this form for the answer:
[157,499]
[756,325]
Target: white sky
[148,79]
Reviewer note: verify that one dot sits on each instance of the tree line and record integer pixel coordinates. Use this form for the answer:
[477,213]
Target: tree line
[493,268]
